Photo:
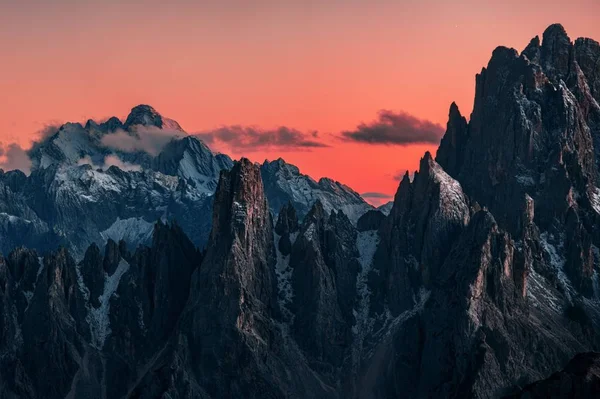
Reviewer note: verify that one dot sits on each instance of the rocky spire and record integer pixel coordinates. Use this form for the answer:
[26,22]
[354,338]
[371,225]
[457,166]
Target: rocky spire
[427,216]
[323,260]
[287,224]
[532,51]
[450,151]
[241,241]
[587,55]
[556,52]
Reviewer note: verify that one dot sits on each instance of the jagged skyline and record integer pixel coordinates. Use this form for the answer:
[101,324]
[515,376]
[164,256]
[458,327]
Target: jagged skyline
[267,69]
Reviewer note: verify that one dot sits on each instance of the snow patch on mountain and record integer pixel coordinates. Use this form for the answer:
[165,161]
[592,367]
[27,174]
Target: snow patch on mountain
[554,248]
[132,230]
[5,217]
[595,199]
[284,183]
[98,318]
[366,242]
[453,203]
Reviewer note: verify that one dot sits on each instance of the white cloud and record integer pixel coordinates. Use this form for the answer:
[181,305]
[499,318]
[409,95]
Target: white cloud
[13,156]
[149,139]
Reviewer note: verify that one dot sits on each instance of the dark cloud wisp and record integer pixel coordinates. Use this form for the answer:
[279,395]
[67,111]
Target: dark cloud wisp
[373,195]
[392,128]
[251,138]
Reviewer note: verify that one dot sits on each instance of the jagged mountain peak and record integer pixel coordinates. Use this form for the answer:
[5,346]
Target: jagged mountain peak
[145,115]
[284,182]
[555,32]
[240,204]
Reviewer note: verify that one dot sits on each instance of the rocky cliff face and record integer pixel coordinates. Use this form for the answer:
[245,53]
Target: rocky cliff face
[482,279]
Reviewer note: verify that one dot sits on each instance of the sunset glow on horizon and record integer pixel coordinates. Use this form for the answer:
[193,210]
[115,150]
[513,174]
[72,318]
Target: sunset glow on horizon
[316,69]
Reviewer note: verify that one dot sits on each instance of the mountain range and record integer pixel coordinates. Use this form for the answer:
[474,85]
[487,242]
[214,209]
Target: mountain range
[147,266]
[114,180]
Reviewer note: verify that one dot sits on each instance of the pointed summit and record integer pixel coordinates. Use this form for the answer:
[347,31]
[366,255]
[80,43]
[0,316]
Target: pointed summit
[145,115]
[556,52]
[449,153]
[532,51]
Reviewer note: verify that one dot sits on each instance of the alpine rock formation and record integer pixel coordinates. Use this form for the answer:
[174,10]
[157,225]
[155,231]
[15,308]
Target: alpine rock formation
[480,280]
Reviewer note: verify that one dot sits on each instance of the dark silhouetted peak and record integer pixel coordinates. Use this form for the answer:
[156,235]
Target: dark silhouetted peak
[403,198]
[532,51]
[450,152]
[371,220]
[24,266]
[92,270]
[502,56]
[166,233]
[587,54]
[556,32]
[112,257]
[287,221]
[339,218]
[556,52]
[316,213]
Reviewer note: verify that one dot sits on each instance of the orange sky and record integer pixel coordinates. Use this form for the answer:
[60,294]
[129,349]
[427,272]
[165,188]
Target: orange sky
[299,64]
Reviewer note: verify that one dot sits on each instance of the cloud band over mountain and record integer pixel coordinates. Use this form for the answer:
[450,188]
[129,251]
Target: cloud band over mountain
[253,138]
[392,128]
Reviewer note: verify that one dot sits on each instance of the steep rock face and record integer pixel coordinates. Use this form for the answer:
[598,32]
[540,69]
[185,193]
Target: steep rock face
[226,326]
[19,223]
[450,153]
[468,338]
[287,225]
[427,216]
[587,54]
[324,266]
[51,348]
[69,328]
[150,300]
[534,131]
[372,220]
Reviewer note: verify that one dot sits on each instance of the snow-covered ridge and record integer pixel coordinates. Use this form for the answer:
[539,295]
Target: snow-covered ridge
[93,191]
[284,183]
[98,318]
[132,230]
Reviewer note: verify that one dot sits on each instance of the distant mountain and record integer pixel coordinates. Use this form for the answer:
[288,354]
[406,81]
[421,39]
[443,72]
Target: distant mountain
[284,183]
[386,208]
[115,180]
